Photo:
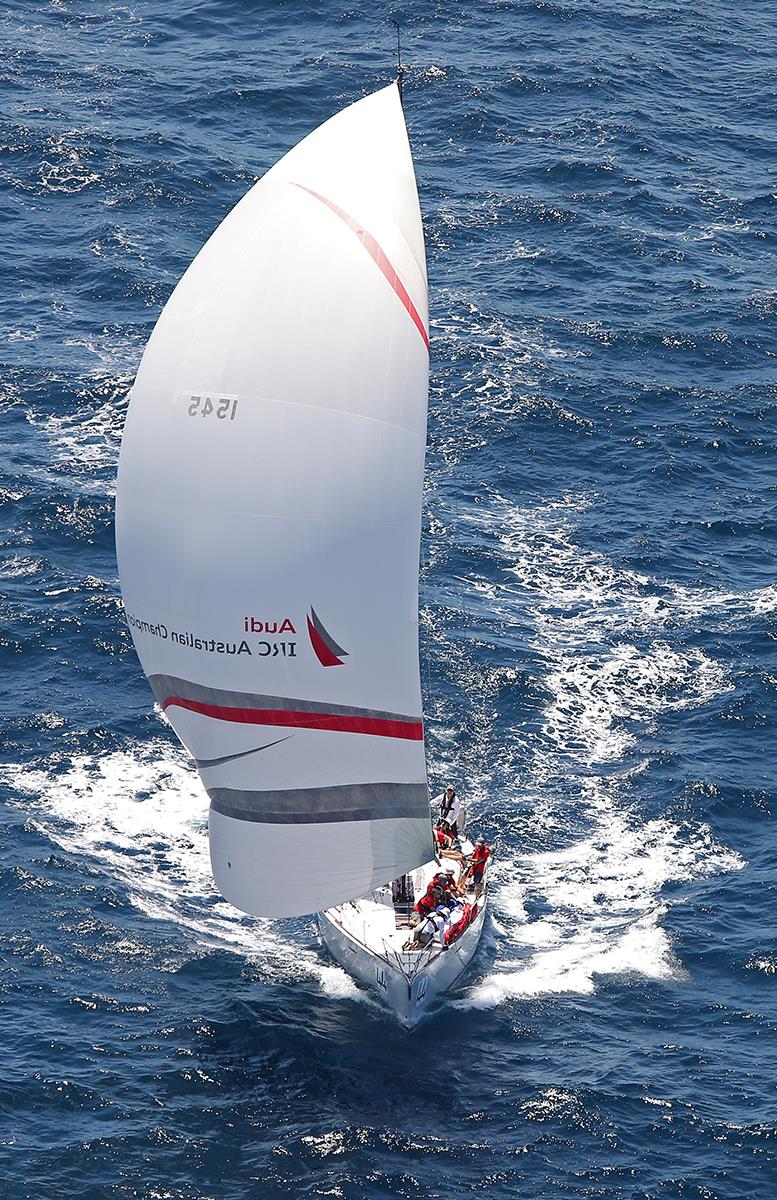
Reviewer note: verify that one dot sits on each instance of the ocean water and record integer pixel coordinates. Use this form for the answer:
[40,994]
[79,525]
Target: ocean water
[598,614]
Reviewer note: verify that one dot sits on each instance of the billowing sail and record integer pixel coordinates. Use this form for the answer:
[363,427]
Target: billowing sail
[268,519]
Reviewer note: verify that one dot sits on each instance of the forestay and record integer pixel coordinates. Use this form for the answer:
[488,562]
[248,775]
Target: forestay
[268,519]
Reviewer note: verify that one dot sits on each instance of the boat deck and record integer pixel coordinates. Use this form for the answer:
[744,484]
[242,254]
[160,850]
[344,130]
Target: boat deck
[382,924]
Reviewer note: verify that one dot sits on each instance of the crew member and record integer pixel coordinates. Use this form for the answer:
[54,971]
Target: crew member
[449,883]
[434,895]
[477,863]
[449,806]
[442,836]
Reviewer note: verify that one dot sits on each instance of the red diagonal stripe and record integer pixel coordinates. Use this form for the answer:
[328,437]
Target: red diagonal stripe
[378,727]
[378,256]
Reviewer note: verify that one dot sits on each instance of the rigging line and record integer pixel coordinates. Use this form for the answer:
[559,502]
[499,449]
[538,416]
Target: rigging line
[400,69]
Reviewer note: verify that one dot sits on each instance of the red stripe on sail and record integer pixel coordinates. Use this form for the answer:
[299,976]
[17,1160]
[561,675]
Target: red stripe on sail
[379,258]
[323,653]
[377,726]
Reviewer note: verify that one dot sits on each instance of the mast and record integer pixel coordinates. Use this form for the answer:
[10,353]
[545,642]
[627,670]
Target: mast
[400,68]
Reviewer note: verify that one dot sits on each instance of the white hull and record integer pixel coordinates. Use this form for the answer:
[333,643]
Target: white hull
[408,982]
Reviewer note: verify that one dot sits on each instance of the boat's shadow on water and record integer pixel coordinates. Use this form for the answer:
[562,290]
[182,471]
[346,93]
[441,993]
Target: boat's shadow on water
[340,1012]
[355,1052]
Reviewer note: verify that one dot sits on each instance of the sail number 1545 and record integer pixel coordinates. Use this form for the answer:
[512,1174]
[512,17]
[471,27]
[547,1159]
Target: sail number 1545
[223,408]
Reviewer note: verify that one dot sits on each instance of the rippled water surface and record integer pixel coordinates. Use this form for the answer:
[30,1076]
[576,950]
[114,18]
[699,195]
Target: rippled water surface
[598,613]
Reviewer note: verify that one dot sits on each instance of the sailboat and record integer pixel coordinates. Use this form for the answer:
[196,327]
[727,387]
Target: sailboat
[268,521]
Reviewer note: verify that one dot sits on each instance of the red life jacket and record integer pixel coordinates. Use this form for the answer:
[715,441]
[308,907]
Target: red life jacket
[480,855]
[429,901]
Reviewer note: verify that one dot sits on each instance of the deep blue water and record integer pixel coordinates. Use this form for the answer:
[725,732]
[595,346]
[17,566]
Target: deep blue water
[599,633]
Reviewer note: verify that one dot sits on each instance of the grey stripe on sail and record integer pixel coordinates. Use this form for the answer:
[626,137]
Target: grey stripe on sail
[165,686]
[216,762]
[312,806]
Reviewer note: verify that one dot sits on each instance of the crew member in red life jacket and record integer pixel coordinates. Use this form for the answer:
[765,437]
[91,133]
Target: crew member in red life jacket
[447,843]
[434,895]
[442,836]
[442,887]
[477,863]
[448,883]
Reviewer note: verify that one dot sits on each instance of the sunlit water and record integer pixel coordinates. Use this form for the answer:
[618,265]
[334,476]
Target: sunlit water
[598,615]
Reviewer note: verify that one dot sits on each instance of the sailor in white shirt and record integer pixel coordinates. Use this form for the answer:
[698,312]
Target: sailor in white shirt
[449,807]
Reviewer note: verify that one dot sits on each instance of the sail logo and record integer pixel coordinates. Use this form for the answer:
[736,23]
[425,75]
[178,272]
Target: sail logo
[255,625]
[327,651]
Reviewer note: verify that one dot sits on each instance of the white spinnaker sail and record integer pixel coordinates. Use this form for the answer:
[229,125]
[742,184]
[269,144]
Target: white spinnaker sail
[268,519]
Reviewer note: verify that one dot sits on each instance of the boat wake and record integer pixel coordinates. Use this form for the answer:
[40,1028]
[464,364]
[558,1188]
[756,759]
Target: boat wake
[567,917]
[589,899]
[141,815]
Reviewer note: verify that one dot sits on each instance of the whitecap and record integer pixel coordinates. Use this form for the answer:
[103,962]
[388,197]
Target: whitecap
[140,815]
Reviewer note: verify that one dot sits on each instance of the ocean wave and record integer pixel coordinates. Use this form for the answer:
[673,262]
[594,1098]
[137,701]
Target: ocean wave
[140,815]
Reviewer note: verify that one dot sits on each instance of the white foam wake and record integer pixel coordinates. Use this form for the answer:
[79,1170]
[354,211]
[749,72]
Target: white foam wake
[596,907]
[140,815]
[612,648]
[612,657]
